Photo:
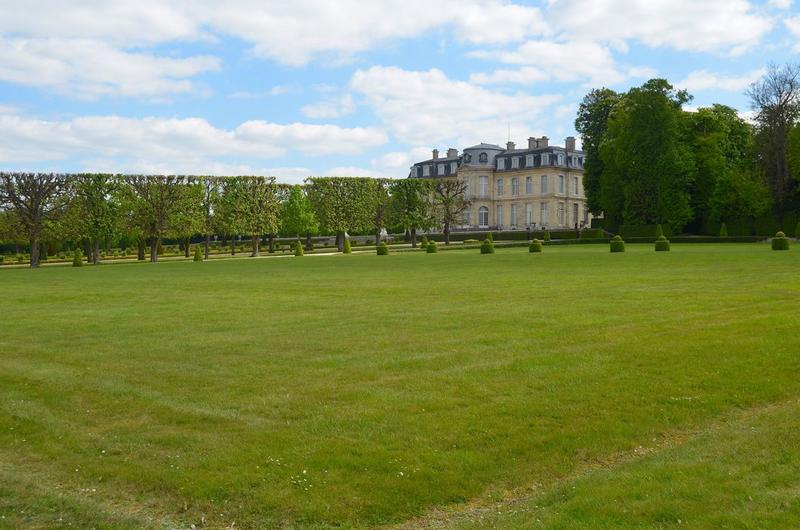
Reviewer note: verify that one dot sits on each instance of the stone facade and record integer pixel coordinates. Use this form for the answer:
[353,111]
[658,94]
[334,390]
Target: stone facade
[538,187]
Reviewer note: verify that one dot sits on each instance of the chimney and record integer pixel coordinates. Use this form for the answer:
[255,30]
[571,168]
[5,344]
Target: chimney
[435,154]
[543,141]
[569,143]
[452,153]
[510,146]
[532,143]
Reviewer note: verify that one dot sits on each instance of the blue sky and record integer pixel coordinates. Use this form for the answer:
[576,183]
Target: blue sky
[324,87]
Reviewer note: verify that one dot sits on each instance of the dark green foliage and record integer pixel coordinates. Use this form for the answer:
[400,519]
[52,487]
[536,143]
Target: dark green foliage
[780,242]
[723,230]
[627,231]
[547,236]
[198,256]
[535,246]
[487,247]
[659,231]
[662,244]
[382,249]
[346,247]
[617,244]
[77,258]
[424,242]
[298,249]
[797,230]
[489,236]
[431,248]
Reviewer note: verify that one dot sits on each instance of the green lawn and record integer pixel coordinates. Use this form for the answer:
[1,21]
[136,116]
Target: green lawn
[363,390]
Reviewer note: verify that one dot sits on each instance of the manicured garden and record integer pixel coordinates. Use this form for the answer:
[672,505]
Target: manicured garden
[511,388]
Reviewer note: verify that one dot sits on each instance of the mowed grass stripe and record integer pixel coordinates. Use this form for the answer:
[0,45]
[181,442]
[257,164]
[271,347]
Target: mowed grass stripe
[397,383]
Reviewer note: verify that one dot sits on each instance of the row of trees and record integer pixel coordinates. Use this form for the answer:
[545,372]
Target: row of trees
[93,209]
[649,161]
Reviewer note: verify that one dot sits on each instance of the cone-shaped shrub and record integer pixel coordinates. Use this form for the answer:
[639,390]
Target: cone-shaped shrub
[662,244]
[780,242]
[535,246]
[198,256]
[431,248]
[490,237]
[617,244]
[487,247]
[298,249]
[77,258]
[723,230]
[659,231]
[382,249]
[346,248]
[547,236]
[423,243]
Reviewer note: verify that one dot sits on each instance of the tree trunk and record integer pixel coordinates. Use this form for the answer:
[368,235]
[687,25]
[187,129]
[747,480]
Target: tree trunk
[447,233]
[256,240]
[271,239]
[186,248]
[153,249]
[96,252]
[233,246]
[140,249]
[413,238]
[377,238]
[208,244]
[340,241]
[34,252]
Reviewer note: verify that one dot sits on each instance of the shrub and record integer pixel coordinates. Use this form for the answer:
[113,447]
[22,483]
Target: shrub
[487,247]
[20,258]
[617,244]
[197,255]
[2,259]
[431,248]
[77,258]
[423,243]
[489,237]
[780,242]
[546,236]
[346,247]
[662,244]
[298,249]
[535,246]
[382,249]
[723,230]
[659,231]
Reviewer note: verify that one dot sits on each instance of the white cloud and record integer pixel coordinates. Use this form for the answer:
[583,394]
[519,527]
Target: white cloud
[426,107]
[793,25]
[721,26]
[330,108]
[700,80]
[172,145]
[780,4]
[277,90]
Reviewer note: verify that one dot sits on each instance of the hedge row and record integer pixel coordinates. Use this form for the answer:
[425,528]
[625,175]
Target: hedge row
[520,235]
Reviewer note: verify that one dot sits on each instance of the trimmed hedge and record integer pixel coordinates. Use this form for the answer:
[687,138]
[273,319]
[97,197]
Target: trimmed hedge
[780,242]
[346,247]
[535,246]
[298,249]
[617,244]
[197,255]
[77,258]
[487,247]
[546,236]
[382,249]
[662,244]
[431,248]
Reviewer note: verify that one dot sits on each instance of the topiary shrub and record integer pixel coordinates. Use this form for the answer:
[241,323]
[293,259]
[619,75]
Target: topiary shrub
[490,237]
[780,242]
[662,244]
[198,256]
[535,246]
[77,258]
[298,249]
[382,249]
[431,248]
[659,231]
[617,244]
[723,230]
[487,247]
[346,247]
[546,236]
[423,243]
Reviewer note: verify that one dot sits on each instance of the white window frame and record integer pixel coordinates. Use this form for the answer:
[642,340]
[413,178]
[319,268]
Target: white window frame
[514,162]
[529,161]
[528,214]
[560,159]
[543,214]
[501,164]
[440,169]
[453,168]
[483,183]
[514,186]
[426,171]
[545,184]
[529,185]
[500,186]
[561,184]
[560,214]
[545,159]
[513,223]
[498,214]
[483,217]
[575,186]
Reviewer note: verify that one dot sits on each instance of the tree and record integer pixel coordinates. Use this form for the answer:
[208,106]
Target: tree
[94,211]
[10,229]
[410,205]
[226,212]
[450,202]
[188,218]
[37,200]
[258,205]
[380,206]
[342,204]
[208,202]
[739,193]
[592,123]
[775,98]
[297,216]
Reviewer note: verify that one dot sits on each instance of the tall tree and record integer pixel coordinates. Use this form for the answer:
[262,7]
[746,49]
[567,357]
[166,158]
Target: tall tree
[592,123]
[94,211]
[410,205]
[208,203]
[188,217]
[297,216]
[380,206]
[342,204]
[775,98]
[257,206]
[37,200]
[450,202]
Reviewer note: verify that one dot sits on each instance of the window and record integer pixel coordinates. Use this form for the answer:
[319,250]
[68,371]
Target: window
[529,161]
[575,186]
[544,184]
[543,214]
[483,157]
[426,171]
[483,217]
[501,163]
[529,185]
[441,169]
[513,215]
[560,159]
[514,186]
[561,184]
[561,213]
[499,215]
[575,216]
[500,186]
[545,159]
[515,162]
[574,161]
[467,158]
[585,216]
[453,168]
[529,214]
[484,186]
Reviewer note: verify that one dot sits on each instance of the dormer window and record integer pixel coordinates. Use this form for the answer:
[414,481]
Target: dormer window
[501,163]
[441,169]
[529,161]
[453,167]
[515,162]
[426,171]
[467,158]
[483,157]
[560,159]
[545,159]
